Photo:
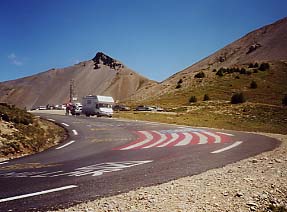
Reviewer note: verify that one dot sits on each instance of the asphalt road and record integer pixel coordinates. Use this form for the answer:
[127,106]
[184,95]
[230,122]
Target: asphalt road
[105,157]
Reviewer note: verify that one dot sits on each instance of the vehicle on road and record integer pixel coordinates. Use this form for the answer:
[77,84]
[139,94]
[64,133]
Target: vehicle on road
[76,108]
[157,108]
[98,105]
[121,108]
[144,108]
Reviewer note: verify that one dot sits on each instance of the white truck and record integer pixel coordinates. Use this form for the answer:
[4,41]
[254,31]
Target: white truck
[98,105]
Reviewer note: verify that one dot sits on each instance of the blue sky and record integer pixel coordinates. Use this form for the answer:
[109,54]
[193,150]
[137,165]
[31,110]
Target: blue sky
[156,38]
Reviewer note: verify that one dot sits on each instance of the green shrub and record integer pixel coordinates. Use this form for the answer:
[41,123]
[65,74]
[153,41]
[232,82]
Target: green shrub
[253,85]
[237,98]
[206,97]
[179,84]
[220,73]
[192,99]
[242,71]
[264,66]
[200,75]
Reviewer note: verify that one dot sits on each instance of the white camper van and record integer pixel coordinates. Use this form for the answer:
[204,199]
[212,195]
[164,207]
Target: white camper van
[98,105]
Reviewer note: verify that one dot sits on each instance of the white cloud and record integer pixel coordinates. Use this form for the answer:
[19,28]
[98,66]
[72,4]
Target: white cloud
[14,59]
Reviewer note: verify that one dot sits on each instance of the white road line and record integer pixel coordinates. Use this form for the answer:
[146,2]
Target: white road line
[37,193]
[162,138]
[174,137]
[51,120]
[202,138]
[60,147]
[228,147]
[222,133]
[65,124]
[3,162]
[148,136]
[186,140]
[75,132]
[217,138]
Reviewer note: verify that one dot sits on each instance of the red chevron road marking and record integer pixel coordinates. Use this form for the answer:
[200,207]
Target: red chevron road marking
[152,139]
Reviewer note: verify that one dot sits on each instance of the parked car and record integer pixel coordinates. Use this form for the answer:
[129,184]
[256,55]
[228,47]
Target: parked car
[157,108]
[42,108]
[121,108]
[143,108]
[76,108]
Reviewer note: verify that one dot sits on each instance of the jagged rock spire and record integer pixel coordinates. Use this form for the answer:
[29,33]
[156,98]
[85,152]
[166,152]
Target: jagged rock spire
[106,60]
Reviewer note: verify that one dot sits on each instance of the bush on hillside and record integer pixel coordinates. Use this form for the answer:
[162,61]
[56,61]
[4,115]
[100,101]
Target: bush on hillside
[219,73]
[206,97]
[192,99]
[253,84]
[200,75]
[237,98]
[10,113]
[242,71]
[180,81]
[264,66]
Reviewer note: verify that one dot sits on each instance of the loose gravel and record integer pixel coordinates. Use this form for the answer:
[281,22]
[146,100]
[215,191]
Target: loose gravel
[254,184]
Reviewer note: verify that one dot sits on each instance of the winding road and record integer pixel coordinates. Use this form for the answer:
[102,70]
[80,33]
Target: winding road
[103,157]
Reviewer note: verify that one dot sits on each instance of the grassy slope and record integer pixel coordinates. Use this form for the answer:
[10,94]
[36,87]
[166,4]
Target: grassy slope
[263,110]
[271,87]
[27,134]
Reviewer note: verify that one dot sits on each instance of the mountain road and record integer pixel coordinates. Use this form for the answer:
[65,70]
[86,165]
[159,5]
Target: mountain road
[106,156]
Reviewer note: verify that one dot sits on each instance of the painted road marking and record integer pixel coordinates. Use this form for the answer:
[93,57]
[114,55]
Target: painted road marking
[91,170]
[38,193]
[202,138]
[3,162]
[75,132]
[163,138]
[222,133]
[228,147]
[65,124]
[187,139]
[60,147]
[51,120]
[176,137]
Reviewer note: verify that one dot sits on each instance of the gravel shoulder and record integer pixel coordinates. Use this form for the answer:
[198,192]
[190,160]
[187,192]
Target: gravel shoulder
[254,184]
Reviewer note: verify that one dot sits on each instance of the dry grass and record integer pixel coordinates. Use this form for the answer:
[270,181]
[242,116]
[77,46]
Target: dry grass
[25,134]
[221,114]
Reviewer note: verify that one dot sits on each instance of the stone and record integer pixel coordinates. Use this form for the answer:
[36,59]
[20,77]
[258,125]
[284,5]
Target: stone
[239,194]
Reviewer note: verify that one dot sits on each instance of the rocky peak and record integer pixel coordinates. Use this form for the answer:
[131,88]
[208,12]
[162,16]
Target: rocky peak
[106,60]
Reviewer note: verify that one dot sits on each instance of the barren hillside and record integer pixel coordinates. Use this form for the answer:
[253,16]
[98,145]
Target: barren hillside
[102,75]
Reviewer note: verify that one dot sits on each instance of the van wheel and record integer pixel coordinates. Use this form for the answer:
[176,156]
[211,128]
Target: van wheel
[88,115]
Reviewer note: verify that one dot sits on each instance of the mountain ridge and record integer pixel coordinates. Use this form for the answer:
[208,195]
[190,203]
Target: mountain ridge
[101,75]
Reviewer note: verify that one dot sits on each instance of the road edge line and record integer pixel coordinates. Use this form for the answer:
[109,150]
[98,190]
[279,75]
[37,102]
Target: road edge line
[37,193]
[228,147]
